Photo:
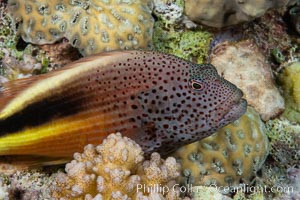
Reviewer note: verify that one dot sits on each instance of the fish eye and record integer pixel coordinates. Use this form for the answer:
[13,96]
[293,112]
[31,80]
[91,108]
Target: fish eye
[197,85]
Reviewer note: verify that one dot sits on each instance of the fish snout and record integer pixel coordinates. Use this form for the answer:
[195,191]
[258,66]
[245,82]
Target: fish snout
[232,108]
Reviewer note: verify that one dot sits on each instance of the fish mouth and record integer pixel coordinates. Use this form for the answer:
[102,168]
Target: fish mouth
[235,110]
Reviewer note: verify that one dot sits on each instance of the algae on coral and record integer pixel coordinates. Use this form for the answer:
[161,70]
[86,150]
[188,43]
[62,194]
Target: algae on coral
[192,45]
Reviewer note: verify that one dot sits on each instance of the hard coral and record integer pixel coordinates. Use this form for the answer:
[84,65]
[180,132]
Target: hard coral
[91,26]
[27,185]
[225,13]
[189,45]
[284,142]
[244,65]
[115,170]
[15,63]
[229,157]
[290,80]
[169,12]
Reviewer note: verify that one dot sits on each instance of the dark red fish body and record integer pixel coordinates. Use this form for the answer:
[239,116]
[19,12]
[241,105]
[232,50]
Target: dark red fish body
[160,101]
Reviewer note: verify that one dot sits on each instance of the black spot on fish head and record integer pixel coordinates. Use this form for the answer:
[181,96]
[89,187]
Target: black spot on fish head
[212,102]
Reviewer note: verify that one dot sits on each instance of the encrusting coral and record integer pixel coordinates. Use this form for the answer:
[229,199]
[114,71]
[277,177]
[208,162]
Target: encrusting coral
[243,64]
[116,170]
[219,13]
[169,11]
[192,45]
[229,157]
[290,80]
[284,142]
[89,25]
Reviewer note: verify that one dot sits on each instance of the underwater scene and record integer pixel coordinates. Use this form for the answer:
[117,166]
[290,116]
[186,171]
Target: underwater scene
[149,100]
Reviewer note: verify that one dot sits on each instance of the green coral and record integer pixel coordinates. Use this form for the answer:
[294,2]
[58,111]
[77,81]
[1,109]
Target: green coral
[290,80]
[277,55]
[284,142]
[190,45]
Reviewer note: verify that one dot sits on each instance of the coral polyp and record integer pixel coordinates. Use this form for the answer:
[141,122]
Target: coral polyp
[229,157]
[116,169]
[91,26]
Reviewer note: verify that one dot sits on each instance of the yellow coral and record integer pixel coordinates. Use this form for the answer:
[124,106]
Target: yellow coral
[290,80]
[91,26]
[231,156]
[115,170]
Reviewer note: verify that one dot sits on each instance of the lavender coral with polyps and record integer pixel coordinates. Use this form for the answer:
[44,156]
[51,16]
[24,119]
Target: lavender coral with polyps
[91,26]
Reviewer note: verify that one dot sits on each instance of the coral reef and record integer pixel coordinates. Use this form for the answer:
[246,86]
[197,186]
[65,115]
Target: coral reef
[17,63]
[91,26]
[190,45]
[272,35]
[116,170]
[3,189]
[15,68]
[278,183]
[290,80]
[225,13]
[244,65]
[26,185]
[295,17]
[229,157]
[293,174]
[170,12]
[284,142]
[205,193]
[60,54]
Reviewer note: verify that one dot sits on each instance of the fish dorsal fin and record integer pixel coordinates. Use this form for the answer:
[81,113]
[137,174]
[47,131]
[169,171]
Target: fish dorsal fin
[17,95]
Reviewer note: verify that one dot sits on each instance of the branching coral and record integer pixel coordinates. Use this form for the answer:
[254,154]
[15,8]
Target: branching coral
[89,25]
[229,157]
[115,170]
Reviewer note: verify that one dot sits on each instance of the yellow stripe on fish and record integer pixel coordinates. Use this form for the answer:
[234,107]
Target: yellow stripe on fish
[160,101]
[51,85]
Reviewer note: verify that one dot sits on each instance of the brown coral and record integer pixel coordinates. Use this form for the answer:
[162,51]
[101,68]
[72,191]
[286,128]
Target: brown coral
[91,26]
[219,13]
[115,170]
[229,157]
